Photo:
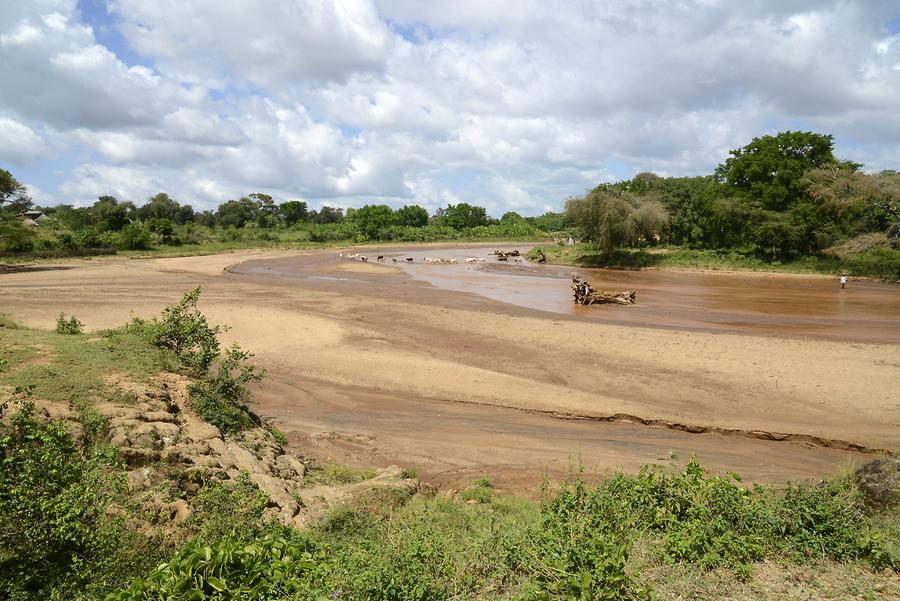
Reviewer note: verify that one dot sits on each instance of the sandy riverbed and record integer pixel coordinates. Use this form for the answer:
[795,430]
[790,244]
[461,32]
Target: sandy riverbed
[374,364]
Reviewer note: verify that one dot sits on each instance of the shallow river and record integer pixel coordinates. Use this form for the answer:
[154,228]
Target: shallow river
[760,303]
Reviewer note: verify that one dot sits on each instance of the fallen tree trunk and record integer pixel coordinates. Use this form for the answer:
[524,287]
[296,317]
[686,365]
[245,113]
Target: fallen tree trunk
[586,295]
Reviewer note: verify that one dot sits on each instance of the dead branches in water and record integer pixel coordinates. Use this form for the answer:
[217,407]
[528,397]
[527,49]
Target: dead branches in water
[586,295]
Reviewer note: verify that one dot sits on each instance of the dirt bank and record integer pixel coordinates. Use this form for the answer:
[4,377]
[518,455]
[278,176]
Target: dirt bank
[369,364]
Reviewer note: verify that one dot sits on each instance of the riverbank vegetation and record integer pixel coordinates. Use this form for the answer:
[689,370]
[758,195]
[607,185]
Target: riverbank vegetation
[782,202]
[75,525]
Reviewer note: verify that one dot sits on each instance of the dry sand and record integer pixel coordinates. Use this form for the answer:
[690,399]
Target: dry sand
[371,366]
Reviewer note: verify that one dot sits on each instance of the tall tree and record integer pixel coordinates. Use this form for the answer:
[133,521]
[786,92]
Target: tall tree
[372,219]
[160,206]
[292,211]
[769,170]
[464,215]
[411,216]
[13,194]
[875,198]
[327,215]
[611,218]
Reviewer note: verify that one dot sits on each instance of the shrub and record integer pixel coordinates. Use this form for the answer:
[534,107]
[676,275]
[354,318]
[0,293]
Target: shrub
[184,331]
[279,436]
[271,568]
[222,398]
[134,236]
[68,326]
[229,509]
[55,538]
[15,237]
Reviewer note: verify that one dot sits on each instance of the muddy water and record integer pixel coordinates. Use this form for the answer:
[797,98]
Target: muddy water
[779,305]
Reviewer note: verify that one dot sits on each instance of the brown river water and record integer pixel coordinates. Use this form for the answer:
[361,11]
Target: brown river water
[756,303]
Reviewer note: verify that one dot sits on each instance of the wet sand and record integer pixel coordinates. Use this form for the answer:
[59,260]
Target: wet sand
[385,363]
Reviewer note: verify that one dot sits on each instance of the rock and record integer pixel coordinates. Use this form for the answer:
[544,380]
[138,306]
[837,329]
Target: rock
[179,510]
[196,429]
[279,495]
[291,466]
[879,481]
[159,416]
[138,457]
[135,480]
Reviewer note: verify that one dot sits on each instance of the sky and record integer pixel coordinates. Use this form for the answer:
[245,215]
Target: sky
[511,105]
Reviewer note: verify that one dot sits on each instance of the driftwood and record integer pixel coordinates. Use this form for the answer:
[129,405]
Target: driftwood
[586,295]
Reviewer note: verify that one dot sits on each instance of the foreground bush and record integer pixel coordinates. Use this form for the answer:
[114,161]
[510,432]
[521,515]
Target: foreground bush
[219,394]
[55,537]
[575,545]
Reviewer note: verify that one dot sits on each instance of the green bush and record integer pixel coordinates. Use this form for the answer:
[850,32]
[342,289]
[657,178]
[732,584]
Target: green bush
[271,568]
[68,326]
[222,398]
[55,538]
[183,330]
[134,236]
[15,237]
[713,521]
[220,395]
[230,509]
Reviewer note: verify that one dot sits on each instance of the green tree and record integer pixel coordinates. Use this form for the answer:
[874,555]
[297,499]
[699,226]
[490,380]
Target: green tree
[769,170]
[111,215]
[464,215]
[511,217]
[292,211]
[611,218]
[13,194]
[551,222]
[372,219]
[15,237]
[872,200]
[266,211]
[160,206]
[412,216]
[165,229]
[327,215]
[134,236]
[236,213]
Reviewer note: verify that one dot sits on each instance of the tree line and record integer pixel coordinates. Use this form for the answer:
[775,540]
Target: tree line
[780,197]
[162,220]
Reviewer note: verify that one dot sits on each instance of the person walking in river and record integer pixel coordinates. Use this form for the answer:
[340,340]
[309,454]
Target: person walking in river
[843,280]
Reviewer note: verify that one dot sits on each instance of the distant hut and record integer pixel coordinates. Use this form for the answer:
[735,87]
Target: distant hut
[33,217]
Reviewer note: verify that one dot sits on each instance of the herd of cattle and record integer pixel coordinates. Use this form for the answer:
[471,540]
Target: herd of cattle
[501,255]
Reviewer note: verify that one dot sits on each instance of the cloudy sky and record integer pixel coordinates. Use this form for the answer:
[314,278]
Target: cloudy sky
[513,105]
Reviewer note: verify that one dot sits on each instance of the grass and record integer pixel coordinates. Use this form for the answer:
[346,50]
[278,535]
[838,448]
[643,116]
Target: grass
[620,540]
[333,473]
[8,323]
[885,264]
[72,367]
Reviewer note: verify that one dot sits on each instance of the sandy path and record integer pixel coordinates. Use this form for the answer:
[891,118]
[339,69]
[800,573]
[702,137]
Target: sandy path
[372,343]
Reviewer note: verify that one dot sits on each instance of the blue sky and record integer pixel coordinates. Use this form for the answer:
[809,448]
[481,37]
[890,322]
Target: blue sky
[512,105]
